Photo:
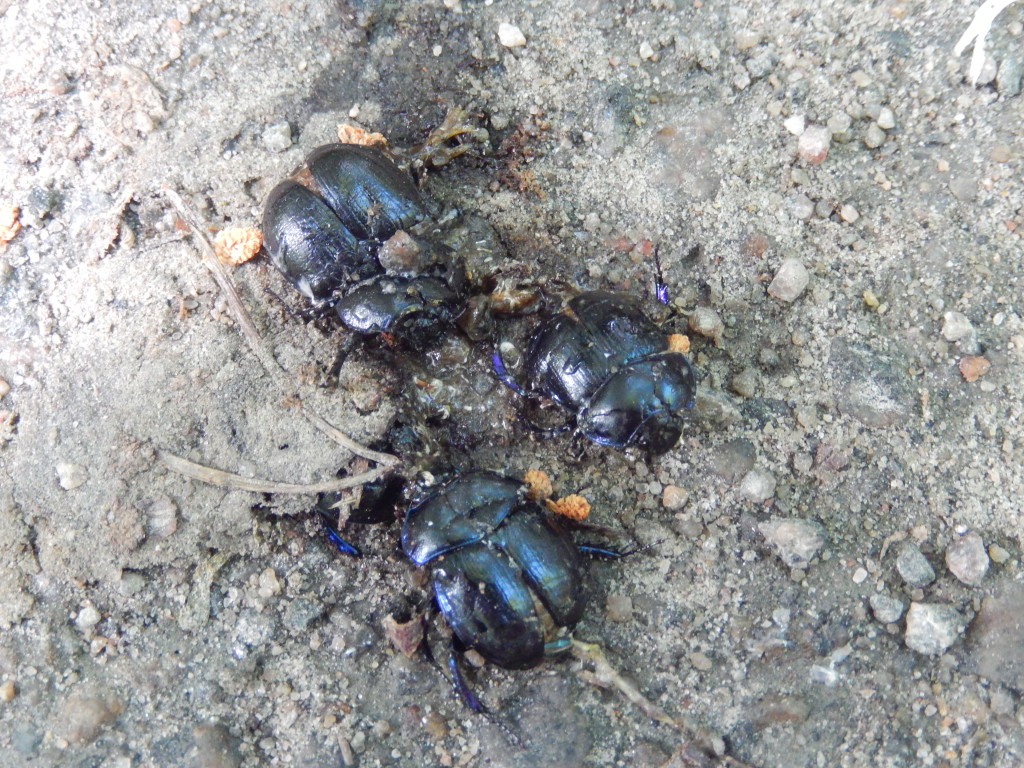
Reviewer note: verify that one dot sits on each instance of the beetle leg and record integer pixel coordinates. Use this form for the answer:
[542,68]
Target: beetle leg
[605,553]
[461,687]
[335,537]
[498,364]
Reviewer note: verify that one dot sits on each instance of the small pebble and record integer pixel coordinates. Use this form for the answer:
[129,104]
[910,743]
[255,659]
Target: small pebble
[840,124]
[277,137]
[706,322]
[215,747]
[802,207]
[700,661]
[795,541]
[967,559]
[795,124]
[913,567]
[88,618]
[1011,73]
[646,51]
[973,367]
[83,717]
[886,119]
[71,476]
[848,213]
[745,382]
[1001,153]
[886,608]
[620,608]
[790,280]
[995,648]
[673,497]
[8,690]
[956,326]
[757,485]
[932,628]
[510,35]
[998,554]
[860,575]
[874,137]
[814,144]
[4,388]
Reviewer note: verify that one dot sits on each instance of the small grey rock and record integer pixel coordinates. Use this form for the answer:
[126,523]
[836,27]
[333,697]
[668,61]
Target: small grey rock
[914,567]
[886,608]
[707,322]
[795,541]
[1010,73]
[967,559]
[302,612]
[277,137]
[790,280]
[215,747]
[744,383]
[874,137]
[757,485]
[932,628]
[956,326]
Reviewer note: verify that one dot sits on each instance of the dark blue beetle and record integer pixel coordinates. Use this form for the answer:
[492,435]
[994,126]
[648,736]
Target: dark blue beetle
[605,361]
[505,578]
[328,229]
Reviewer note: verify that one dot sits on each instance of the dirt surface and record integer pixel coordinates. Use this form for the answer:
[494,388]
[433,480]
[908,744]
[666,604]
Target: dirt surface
[834,566]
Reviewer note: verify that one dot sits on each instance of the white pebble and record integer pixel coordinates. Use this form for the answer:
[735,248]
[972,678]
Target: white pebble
[277,137]
[886,119]
[814,144]
[932,628]
[757,485]
[795,541]
[71,476]
[795,124]
[848,213]
[790,281]
[956,326]
[510,35]
[87,618]
[646,51]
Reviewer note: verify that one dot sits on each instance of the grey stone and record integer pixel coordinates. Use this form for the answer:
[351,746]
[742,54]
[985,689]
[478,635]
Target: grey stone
[914,567]
[932,628]
[795,541]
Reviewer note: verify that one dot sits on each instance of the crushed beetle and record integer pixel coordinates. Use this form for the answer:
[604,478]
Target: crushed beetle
[606,363]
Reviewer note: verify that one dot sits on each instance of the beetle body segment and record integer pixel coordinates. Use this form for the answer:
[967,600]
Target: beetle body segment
[604,360]
[503,575]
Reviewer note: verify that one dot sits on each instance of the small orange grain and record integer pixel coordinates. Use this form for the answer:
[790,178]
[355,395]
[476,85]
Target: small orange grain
[973,367]
[236,245]
[539,484]
[574,507]
[351,134]
[679,342]
[9,223]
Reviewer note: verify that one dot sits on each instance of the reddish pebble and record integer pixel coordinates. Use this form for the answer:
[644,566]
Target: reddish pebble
[814,144]
[973,367]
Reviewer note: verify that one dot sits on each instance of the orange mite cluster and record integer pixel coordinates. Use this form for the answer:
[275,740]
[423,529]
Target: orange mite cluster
[574,506]
[236,245]
[679,342]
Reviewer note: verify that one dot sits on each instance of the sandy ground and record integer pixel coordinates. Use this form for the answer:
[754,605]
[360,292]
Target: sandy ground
[834,565]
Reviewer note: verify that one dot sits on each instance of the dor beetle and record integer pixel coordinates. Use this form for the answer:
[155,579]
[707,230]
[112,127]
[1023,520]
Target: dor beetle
[602,359]
[505,578]
[350,228]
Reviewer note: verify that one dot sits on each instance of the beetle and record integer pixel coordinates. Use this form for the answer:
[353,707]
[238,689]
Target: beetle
[505,576]
[606,363]
[350,228]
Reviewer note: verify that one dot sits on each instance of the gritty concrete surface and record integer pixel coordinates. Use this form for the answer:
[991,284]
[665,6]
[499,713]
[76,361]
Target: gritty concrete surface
[151,620]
